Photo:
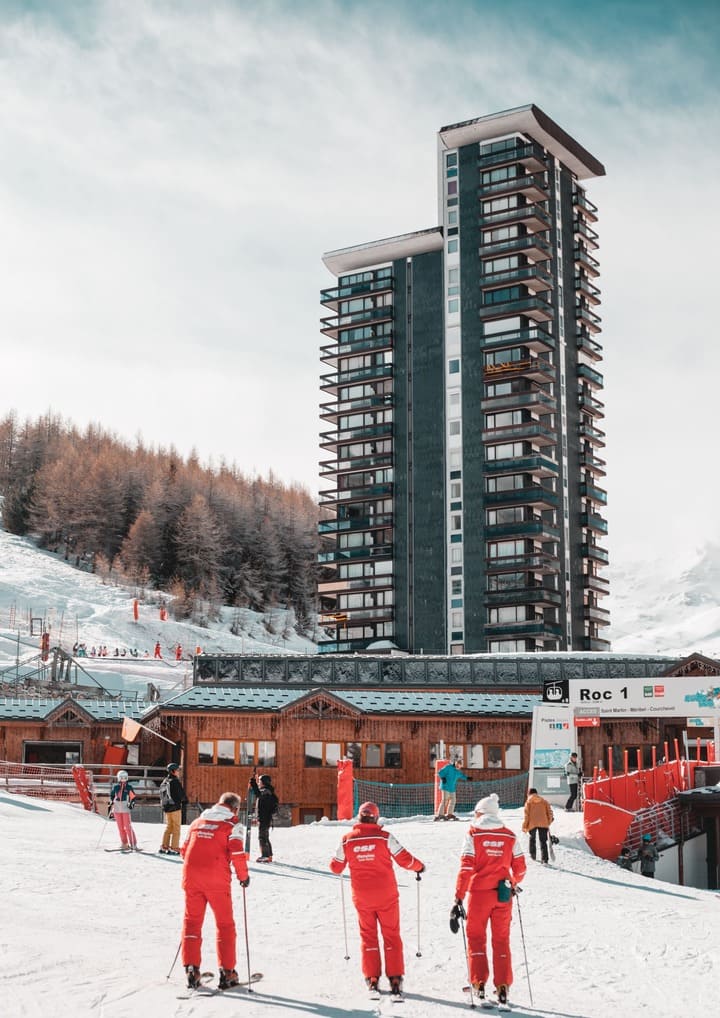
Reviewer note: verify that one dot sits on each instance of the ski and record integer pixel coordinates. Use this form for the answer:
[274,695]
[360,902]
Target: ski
[140,850]
[397,998]
[485,1002]
[374,994]
[212,991]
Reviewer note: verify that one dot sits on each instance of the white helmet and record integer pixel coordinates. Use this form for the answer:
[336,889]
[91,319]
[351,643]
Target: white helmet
[122,775]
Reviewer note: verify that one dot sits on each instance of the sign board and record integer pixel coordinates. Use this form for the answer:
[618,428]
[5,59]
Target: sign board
[552,742]
[587,722]
[627,698]
[556,691]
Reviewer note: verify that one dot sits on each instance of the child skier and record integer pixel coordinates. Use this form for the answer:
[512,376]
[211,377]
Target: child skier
[122,800]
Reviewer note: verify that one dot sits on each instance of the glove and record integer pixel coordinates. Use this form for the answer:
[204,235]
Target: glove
[457,912]
[421,870]
[516,889]
[245,883]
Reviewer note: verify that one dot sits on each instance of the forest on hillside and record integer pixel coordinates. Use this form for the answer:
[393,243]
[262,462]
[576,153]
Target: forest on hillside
[209,536]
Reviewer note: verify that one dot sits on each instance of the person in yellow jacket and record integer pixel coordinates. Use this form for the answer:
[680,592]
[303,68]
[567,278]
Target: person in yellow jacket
[536,823]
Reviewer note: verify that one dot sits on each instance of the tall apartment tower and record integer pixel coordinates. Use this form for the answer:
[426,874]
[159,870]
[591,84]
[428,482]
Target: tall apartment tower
[463,507]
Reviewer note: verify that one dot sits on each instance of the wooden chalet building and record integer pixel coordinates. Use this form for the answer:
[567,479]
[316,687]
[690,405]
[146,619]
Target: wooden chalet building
[294,717]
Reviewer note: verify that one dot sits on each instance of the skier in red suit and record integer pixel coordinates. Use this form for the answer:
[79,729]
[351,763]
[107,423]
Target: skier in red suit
[214,843]
[491,864]
[370,851]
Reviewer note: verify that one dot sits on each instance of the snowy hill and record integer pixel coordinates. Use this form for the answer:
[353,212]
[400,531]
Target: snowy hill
[660,607]
[80,608]
[95,934]
[654,609]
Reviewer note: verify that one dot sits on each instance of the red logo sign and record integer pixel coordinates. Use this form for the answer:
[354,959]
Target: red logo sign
[659,690]
[587,722]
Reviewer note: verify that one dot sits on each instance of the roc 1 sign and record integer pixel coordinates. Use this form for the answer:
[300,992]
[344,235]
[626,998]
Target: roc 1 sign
[680,696]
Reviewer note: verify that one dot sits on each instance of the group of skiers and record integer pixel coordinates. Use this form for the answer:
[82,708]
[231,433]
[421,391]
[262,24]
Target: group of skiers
[492,866]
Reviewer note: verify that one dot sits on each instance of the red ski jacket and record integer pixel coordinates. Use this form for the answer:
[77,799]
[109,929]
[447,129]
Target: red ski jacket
[369,851]
[214,842]
[490,853]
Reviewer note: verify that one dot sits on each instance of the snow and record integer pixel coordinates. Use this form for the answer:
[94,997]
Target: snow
[96,933]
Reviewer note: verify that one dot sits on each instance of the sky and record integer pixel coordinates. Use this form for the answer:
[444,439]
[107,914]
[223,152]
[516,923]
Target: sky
[94,933]
[172,172]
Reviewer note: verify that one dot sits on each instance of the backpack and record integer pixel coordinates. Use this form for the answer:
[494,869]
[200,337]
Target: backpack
[166,800]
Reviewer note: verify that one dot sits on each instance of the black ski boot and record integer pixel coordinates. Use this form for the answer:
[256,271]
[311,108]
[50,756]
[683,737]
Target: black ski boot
[228,978]
[193,977]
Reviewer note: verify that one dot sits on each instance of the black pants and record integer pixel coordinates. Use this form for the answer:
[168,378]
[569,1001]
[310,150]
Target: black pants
[542,833]
[264,839]
[573,796]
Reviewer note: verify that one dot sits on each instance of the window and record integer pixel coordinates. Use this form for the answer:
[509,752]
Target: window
[453,306]
[453,246]
[454,367]
[452,217]
[503,549]
[507,450]
[454,428]
[500,234]
[362,754]
[237,753]
[508,614]
[322,754]
[479,756]
[452,187]
[500,264]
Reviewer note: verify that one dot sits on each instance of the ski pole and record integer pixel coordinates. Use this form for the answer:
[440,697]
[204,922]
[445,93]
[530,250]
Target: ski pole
[418,953]
[461,917]
[107,820]
[342,899]
[247,942]
[174,961]
[522,936]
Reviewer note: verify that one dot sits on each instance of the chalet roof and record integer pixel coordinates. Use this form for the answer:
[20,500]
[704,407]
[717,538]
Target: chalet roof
[42,707]
[369,701]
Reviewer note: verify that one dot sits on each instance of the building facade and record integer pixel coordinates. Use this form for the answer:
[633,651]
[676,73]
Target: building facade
[462,499]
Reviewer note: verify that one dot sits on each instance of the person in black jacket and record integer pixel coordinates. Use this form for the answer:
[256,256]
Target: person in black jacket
[172,799]
[267,804]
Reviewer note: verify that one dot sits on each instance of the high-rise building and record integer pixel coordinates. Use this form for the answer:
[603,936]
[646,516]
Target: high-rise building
[462,499]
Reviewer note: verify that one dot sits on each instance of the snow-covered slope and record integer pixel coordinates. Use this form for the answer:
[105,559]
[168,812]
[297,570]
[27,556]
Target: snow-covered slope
[95,934]
[80,608]
[658,607]
[655,608]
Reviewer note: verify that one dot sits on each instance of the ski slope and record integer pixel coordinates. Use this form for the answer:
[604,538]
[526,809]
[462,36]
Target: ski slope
[90,933]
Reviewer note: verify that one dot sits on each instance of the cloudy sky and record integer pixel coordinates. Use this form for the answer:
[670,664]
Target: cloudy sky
[171,172]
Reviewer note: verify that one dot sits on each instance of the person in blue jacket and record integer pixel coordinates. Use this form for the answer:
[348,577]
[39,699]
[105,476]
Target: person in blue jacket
[449,776]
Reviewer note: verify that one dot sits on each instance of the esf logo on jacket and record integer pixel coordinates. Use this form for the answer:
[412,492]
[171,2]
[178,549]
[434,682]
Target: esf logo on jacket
[492,847]
[363,848]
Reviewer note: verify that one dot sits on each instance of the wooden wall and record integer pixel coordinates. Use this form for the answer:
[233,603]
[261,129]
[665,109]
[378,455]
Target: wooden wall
[300,786]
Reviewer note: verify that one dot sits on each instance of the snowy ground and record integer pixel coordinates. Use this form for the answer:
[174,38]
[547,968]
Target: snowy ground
[85,932]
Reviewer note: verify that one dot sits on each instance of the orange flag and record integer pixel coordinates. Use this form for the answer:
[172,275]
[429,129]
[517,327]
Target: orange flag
[130,729]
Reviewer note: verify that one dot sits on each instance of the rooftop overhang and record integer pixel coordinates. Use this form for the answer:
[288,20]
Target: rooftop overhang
[526,120]
[380,252]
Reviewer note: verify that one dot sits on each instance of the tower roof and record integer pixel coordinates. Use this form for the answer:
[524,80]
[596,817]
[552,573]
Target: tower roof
[527,120]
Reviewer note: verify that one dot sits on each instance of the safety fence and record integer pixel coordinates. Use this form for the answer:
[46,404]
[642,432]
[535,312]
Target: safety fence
[418,800]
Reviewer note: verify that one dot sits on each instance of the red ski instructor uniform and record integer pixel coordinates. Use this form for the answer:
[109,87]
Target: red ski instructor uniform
[214,844]
[369,852]
[491,854]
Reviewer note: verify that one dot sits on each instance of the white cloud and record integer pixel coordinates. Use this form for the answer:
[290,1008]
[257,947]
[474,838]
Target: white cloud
[172,177]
